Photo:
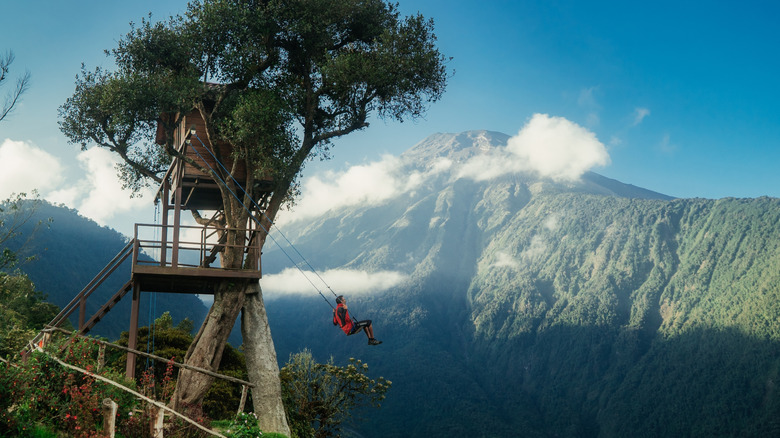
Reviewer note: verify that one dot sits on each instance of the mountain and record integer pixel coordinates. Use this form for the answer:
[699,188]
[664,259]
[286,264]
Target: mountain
[541,308]
[70,251]
[527,307]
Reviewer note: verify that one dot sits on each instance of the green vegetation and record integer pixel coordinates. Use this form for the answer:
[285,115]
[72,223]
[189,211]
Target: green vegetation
[23,312]
[627,316]
[172,341]
[550,314]
[533,308]
[319,398]
[23,309]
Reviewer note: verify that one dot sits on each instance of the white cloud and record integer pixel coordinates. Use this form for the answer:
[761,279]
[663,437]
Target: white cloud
[666,146]
[24,167]
[551,223]
[639,115]
[101,195]
[536,249]
[95,190]
[587,98]
[505,260]
[557,148]
[552,147]
[367,184]
[291,281]
[489,166]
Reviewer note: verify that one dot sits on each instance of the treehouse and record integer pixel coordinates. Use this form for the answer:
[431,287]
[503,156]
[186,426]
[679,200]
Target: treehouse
[199,189]
[174,258]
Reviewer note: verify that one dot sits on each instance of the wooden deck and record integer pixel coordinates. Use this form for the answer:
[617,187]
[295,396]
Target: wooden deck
[187,280]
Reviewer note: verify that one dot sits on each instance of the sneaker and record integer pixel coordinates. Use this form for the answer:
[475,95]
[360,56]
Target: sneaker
[373,341]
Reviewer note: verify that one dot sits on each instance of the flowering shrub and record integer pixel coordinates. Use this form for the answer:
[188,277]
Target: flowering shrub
[41,392]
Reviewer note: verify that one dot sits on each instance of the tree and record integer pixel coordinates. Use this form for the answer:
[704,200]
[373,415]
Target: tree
[319,397]
[277,81]
[171,342]
[22,83]
[23,312]
[15,213]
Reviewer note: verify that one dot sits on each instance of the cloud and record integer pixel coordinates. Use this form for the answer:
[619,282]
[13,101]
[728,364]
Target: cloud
[551,223]
[557,148]
[24,167]
[99,195]
[587,100]
[536,249]
[552,147]
[505,260]
[366,184]
[666,146]
[93,189]
[639,115]
[291,281]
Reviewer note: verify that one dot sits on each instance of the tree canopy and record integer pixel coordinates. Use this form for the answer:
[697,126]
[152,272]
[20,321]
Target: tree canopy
[277,80]
[274,81]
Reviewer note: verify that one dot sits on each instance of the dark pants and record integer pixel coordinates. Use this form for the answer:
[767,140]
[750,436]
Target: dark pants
[358,325]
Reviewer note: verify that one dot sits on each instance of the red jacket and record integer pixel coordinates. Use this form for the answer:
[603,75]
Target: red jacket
[342,319]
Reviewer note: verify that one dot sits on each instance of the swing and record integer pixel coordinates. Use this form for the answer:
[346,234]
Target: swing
[356,327]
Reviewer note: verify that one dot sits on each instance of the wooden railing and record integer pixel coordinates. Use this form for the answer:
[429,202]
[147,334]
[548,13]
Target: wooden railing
[185,246]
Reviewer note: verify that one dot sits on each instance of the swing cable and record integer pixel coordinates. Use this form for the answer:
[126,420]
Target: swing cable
[266,216]
[259,223]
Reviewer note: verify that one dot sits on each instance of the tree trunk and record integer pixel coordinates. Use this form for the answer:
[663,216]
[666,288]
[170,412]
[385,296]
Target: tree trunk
[207,347]
[261,363]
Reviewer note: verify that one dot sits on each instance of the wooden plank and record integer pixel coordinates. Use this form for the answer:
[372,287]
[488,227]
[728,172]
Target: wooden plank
[195,272]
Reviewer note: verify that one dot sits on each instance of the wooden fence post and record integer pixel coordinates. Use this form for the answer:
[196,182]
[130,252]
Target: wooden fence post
[101,357]
[109,408]
[156,425]
[244,389]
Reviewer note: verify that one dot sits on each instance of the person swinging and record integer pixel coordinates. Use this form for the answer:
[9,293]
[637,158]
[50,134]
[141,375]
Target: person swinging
[350,327]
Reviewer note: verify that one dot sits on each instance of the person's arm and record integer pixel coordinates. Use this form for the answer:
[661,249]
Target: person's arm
[335,322]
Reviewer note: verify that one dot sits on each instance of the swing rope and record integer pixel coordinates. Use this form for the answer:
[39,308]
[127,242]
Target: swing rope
[263,213]
[259,223]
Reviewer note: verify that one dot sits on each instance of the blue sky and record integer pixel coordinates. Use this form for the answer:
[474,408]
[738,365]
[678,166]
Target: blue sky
[683,96]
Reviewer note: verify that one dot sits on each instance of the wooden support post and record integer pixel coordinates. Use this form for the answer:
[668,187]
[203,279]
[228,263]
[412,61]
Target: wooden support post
[101,362]
[244,390]
[109,408]
[164,233]
[132,339]
[176,228]
[157,416]
[45,339]
[82,312]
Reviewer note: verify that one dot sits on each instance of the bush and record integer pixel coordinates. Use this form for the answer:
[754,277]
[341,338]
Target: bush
[318,398]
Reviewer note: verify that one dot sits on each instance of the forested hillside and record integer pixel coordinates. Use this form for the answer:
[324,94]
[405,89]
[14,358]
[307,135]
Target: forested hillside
[528,307]
[533,308]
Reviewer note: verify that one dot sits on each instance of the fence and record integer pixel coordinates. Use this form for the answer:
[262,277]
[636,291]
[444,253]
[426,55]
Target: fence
[158,409]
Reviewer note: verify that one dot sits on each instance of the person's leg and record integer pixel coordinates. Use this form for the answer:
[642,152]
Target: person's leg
[366,324]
